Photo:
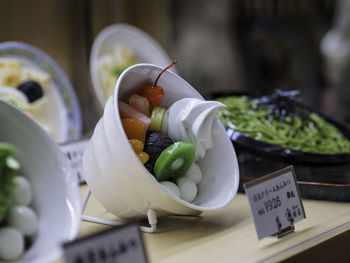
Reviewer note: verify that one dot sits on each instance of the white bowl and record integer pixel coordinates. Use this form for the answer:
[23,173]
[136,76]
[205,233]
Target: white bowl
[146,49]
[120,181]
[56,197]
[62,113]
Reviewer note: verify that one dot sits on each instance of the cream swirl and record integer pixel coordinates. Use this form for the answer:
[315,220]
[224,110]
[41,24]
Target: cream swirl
[192,120]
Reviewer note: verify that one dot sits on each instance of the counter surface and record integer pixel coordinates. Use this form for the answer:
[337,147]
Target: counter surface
[230,233]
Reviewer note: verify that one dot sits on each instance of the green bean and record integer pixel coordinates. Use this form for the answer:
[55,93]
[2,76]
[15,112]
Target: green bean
[313,134]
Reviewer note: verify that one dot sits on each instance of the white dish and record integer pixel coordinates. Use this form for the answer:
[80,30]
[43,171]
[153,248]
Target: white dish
[120,181]
[145,48]
[61,117]
[56,197]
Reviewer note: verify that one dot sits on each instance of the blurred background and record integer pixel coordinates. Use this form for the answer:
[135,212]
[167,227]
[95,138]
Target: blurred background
[253,46]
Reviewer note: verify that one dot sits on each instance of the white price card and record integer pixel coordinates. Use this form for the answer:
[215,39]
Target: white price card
[275,202]
[123,244]
[74,152]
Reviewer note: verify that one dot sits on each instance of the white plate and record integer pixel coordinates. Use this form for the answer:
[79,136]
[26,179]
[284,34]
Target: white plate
[62,114]
[145,48]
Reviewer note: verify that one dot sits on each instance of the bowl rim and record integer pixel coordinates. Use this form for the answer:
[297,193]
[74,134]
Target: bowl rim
[100,40]
[73,205]
[74,112]
[150,177]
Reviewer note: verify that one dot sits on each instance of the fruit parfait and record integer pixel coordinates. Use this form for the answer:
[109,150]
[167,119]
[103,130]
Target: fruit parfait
[18,220]
[159,146]
[31,89]
[170,141]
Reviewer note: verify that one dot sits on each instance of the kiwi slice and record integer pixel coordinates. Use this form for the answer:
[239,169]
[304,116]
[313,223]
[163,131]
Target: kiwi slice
[157,119]
[174,161]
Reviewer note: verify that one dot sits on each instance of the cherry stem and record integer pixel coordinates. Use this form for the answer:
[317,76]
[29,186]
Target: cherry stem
[161,73]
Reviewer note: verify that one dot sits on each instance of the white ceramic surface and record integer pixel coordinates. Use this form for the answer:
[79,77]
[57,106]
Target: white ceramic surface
[145,48]
[56,197]
[124,186]
[62,112]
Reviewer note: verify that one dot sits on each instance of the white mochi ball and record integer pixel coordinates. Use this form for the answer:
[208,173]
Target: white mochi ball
[171,188]
[22,191]
[24,219]
[11,243]
[188,188]
[194,173]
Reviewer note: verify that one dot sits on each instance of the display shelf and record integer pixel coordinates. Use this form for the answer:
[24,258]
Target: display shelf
[228,235]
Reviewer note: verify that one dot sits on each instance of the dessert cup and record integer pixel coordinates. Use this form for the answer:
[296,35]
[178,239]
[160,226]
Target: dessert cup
[119,180]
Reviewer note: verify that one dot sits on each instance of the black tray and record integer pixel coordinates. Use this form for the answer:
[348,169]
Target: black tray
[323,182]
[319,176]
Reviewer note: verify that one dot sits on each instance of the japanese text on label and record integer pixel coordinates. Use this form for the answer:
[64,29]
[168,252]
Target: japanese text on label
[275,202]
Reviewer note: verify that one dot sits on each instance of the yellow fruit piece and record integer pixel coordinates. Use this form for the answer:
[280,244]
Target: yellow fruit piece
[157,119]
[143,157]
[134,129]
[137,145]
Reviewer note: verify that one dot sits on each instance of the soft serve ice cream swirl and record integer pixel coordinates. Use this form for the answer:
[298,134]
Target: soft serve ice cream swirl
[192,120]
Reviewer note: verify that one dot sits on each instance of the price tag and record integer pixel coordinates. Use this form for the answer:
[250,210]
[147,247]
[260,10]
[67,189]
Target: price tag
[74,152]
[275,202]
[123,245]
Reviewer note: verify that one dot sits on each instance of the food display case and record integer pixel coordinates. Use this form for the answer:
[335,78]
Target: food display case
[321,176]
[161,115]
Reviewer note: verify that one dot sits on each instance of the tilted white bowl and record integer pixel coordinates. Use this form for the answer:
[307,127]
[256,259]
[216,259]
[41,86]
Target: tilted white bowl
[120,181]
[56,197]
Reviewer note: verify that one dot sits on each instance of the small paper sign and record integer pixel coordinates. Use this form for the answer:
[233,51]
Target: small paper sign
[74,152]
[123,245]
[275,202]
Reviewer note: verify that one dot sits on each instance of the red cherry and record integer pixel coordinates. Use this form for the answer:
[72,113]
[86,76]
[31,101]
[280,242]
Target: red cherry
[155,94]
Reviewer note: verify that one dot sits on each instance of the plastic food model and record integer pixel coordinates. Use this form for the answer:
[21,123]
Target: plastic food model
[27,87]
[170,141]
[111,65]
[277,119]
[120,179]
[18,221]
